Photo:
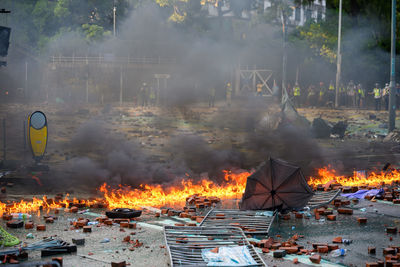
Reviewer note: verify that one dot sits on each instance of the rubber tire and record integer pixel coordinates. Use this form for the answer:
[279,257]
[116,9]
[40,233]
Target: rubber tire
[123,213]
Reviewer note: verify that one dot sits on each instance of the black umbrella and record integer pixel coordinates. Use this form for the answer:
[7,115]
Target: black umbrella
[276,185]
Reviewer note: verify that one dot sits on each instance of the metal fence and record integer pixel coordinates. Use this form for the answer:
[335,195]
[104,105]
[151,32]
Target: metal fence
[112,59]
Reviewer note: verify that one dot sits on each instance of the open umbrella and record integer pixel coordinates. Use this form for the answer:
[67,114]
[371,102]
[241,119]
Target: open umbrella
[276,185]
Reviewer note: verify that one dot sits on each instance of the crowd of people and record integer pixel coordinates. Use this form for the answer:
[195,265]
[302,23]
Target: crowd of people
[353,96]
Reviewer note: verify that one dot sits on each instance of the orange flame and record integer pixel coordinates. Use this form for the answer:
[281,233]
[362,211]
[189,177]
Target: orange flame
[326,175]
[232,187]
[157,196]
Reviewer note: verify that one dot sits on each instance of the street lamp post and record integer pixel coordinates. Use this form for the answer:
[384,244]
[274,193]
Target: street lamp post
[339,56]
[114,18]
[392,93]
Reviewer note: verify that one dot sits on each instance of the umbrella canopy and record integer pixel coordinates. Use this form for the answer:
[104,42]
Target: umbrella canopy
[276,185]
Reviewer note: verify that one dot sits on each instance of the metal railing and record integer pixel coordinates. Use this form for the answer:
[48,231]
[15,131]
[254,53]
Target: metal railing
[112,59]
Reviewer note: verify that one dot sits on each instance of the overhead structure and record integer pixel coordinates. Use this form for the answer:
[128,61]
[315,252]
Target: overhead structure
[276,185]
[249,78]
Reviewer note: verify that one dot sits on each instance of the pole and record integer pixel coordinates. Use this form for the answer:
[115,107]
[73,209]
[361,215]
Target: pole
[392,93]
[120,87]
[114,19]
[4,143]
[87,88]
[284,57]
[26,79]
[339,57]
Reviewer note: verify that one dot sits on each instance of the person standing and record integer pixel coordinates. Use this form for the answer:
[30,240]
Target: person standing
[311,96]
[331,92]
[211,97]
[377,97]
[360,96]
[296,95]
[351,94]
[228,94]
[385,96]
[259,89]
[342,95]
[321,98]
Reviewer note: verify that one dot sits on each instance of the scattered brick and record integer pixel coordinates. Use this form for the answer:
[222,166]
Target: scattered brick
[191,224]
[124,224]
[371,264]
[289,250]
[179,224]
[391,230]
[299,215]
[158,214]
[108,222]
[388,251]
[118,264]
[87,229]
[50,220]
[276,245]
[345,211]
[337,240]
[331,217]
[315,258]
[279,253]
[362,220]
[371,250]
[132,225]
[295,261]
[73,209]
[316,245]
[265,250]
[41,227]
[29,225]
[7,217]
[332,247]
[322,249]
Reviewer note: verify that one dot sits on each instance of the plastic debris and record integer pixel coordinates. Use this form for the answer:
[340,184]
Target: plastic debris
[30,236]
[338,252]
[105,240]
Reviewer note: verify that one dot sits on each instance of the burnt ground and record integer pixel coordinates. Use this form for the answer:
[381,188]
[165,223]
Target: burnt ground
[221,128]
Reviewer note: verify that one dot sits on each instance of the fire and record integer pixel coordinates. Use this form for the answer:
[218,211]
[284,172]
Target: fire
[326,175]
[37,204]
[146,195]
[156,196]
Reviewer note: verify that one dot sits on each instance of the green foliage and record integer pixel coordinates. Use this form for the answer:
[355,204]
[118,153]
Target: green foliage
[94,33]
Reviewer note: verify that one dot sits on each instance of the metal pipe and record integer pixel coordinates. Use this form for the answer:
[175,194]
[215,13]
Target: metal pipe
[4,143]
[392,93]
[339,56]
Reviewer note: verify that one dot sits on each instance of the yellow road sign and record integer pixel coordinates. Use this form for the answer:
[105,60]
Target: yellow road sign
[37,134]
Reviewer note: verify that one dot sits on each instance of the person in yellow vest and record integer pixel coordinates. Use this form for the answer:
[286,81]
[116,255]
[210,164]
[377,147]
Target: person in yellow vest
[385,96]
[228,89]
[311,97]
[321,98]
[360,96]
[296,95]
[259,89]
[376,92]
[342,94]
[331,92]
